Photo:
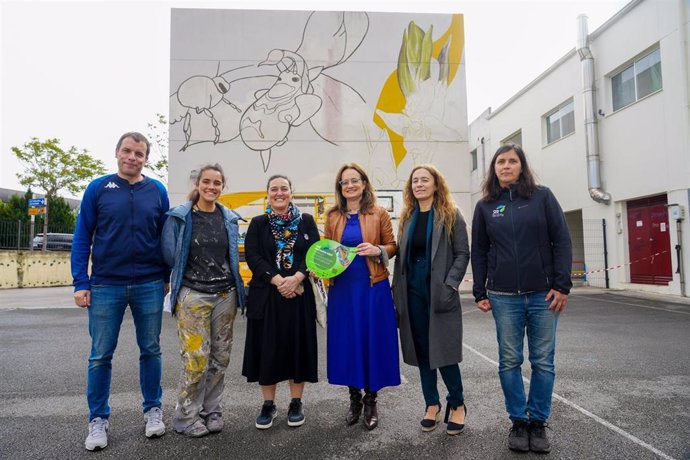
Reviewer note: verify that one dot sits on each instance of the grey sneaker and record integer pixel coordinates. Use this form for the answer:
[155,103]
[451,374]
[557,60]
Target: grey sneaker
[214,423]
[268,413]
[538,442]
[518,439]
[98,434]
[296,413]
[195,430]
[154,423]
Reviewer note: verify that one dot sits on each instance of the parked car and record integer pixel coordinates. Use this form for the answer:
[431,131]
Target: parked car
[56,241]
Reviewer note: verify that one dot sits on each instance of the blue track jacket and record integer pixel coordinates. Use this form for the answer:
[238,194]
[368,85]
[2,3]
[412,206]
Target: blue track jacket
[119,226]
[520,244]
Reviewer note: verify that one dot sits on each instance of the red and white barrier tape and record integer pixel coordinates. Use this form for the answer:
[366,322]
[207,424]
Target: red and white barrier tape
[469,280]
[621,265]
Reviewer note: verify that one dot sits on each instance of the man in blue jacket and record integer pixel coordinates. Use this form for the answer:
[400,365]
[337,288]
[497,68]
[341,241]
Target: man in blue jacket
[119,227]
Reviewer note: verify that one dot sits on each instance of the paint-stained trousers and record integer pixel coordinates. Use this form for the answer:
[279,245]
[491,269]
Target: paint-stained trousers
[205,323]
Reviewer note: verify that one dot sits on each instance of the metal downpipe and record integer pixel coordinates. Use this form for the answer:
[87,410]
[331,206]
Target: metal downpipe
[596,191]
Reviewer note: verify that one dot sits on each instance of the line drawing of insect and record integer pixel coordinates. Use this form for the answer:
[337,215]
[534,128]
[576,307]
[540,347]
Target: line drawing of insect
[289,99]
[288,102]
[201,94]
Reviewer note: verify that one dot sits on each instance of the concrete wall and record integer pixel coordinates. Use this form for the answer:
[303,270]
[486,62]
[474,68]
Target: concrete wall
[34,269]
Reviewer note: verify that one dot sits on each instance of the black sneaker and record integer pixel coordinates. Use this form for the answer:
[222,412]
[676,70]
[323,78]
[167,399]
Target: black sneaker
[268,413]
[538,442]
[295,413]
[518,438]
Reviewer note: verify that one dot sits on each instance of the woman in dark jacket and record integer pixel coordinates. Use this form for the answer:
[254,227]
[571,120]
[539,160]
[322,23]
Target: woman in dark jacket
[521,259]
[281,313]
[432,259]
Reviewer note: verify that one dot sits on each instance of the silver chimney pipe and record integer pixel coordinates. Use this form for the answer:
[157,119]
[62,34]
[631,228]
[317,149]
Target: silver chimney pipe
[591,130]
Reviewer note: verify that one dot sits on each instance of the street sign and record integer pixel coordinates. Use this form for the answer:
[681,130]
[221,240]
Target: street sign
[37,211]
[37,203]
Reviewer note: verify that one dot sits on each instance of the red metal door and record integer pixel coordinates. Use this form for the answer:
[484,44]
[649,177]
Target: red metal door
[649,241]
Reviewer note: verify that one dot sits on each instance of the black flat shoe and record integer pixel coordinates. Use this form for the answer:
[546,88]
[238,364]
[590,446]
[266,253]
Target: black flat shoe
[454,428]
[429,424]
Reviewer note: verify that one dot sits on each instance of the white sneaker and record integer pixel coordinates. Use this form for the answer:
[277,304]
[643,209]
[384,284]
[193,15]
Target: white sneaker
[154,423]
[98,434]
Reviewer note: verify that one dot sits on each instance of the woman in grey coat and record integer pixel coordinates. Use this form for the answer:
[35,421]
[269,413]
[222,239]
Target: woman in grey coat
[429,267]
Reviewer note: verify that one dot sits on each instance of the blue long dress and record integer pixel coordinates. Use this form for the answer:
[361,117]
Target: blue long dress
[362,329]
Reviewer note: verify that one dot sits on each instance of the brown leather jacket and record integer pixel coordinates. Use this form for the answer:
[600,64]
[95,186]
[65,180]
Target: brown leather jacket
[376,229]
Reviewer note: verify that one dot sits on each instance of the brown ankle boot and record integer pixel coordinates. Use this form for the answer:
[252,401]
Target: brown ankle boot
[355,406]
[371,415]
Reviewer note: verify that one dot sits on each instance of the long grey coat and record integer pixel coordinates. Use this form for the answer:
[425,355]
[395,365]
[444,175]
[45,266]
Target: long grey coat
[449,259]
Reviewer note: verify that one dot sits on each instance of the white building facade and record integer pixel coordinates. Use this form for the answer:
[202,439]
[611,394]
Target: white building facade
[618,162]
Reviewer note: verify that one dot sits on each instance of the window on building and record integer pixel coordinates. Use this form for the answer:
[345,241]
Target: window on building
[473,155]
[641,78]
[560,122]
[515,138]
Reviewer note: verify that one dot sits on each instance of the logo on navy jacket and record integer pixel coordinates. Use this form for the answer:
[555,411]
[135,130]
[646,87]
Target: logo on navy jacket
[499,211]
[111,184]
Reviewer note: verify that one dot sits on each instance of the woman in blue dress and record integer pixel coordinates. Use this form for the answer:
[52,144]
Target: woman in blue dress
[362,327]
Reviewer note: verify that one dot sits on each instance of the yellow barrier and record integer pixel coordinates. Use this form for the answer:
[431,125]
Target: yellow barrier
[34,269]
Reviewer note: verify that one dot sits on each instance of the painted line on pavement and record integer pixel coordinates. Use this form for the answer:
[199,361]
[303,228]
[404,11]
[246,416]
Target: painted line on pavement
[584,411]
[597,299]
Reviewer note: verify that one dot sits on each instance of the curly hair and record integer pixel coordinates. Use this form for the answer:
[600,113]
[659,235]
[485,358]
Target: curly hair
[444,205]
[368,199]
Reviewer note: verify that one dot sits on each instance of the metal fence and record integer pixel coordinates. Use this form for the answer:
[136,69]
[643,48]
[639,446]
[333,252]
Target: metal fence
[16,234]
[595,252]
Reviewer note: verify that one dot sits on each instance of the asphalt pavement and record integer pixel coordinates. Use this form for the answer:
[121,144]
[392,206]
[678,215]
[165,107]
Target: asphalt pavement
[622,390]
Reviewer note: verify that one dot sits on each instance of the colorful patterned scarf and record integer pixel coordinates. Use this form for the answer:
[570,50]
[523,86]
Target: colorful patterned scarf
[284,230]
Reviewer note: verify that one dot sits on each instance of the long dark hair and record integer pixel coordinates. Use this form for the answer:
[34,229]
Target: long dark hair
[526,184]
[193,196]
[368,199]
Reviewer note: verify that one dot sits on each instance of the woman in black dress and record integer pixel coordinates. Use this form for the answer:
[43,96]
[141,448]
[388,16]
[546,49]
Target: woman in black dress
[281,313]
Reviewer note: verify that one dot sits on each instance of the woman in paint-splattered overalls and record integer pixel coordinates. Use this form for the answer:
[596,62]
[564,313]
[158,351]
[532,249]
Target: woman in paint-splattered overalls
[200,244]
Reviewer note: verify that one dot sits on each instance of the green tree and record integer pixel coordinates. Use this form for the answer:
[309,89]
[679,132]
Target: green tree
[50,168]
[16,208]
[60,215]
[13,214]
[158,157]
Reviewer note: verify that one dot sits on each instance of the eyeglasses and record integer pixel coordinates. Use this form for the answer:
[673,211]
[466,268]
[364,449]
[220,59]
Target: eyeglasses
[353,181]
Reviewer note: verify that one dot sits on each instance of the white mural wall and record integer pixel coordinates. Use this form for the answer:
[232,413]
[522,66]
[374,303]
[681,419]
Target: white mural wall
[300,93]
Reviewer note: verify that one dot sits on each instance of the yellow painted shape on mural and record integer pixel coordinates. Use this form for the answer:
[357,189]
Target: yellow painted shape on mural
[392,100]
[239,199]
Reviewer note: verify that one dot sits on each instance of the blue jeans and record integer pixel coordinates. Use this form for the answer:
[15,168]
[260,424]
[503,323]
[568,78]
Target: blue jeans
[108,304]
[514,314]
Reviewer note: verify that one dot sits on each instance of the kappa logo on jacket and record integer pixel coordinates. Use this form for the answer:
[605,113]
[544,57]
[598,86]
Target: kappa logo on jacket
[499,211]
[111,184]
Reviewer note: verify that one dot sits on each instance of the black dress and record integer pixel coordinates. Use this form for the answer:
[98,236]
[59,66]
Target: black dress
[281,333]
